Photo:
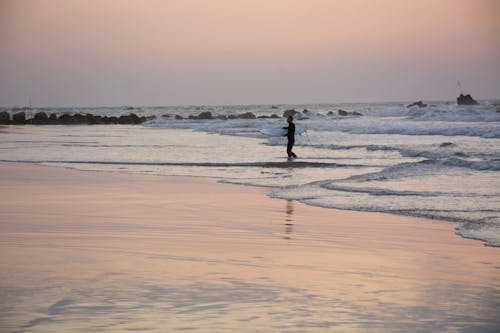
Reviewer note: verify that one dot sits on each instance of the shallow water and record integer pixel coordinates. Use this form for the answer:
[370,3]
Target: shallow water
[438,162]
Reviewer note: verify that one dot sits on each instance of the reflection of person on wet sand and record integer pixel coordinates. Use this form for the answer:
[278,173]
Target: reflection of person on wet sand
[289,219]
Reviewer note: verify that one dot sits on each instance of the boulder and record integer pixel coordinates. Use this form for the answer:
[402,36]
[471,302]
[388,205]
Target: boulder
[129,119]
[202,116]
[466,100]
[65,119]
[19,118]
[290,112]
[205,115]
[274,116]
[94,119]
[52,119]
[79,119]
[178,117]
[346,113]
[246,115]
[40,118]
[112,120]
[4,117]
[420,104]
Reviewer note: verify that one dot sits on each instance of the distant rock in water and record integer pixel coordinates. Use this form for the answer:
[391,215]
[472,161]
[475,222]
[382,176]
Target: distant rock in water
[466,100]
[289,113]
[19,118]
[447,144]
[346,113]
[246,115]
[4,117]
[420,104]
[41,118]
[52,119]
[202,116]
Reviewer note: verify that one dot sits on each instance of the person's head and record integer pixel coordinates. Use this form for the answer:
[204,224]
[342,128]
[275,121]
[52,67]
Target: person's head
[289,119]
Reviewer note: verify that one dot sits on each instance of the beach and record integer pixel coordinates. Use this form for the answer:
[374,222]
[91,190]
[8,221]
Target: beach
[84,251]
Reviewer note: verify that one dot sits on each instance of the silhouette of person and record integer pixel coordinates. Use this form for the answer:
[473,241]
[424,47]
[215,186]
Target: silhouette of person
[291,137]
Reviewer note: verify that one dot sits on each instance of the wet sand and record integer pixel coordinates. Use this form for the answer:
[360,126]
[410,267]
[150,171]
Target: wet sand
[105,252]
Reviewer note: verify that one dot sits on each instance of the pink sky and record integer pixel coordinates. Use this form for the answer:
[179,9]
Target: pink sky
[130,52]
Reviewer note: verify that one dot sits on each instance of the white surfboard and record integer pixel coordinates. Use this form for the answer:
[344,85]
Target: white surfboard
[281,131]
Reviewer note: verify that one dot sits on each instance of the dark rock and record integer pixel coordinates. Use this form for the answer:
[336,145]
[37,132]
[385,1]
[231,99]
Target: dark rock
[306,111]
[92,119]
[202,116]
[246,115]
[447,144]
[178,117]
[345,113]
[40,118]
[205,115]
[52,119]
[124,120]
[274,116]
[420,104]
[19,118]
[112,120]
[129,119]
[330,113]
[466,100]
[263,117]
[274,107]
[95,119]
[65,119]
[79,119]
[221,117]
[4,117]
[289,113]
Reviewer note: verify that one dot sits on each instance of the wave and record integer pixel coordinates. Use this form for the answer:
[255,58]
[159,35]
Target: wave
[486,126]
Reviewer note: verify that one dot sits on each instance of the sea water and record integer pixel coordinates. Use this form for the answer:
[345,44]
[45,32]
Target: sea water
[440,162]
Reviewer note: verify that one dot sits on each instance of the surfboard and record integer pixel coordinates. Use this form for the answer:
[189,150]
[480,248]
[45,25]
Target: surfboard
[280,131]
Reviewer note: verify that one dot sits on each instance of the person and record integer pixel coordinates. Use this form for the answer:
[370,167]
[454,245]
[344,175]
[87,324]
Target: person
[291,137]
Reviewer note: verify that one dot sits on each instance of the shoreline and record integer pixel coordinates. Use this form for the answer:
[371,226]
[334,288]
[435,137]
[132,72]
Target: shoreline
[83,250]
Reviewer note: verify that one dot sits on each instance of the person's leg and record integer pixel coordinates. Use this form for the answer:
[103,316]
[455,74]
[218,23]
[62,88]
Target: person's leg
[289,147]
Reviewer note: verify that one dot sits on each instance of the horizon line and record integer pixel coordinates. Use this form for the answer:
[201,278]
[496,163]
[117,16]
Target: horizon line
[243,104]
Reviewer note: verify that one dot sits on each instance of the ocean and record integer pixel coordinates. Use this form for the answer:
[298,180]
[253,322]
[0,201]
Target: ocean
[440,162]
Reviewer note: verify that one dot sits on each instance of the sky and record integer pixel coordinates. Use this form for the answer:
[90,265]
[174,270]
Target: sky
[200,52]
